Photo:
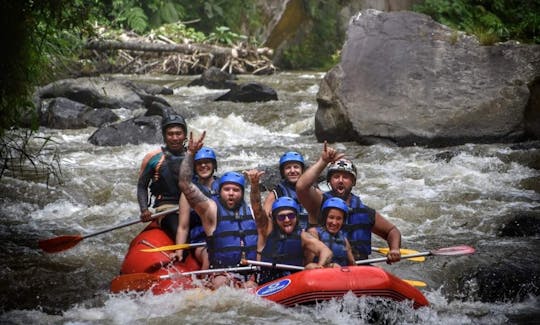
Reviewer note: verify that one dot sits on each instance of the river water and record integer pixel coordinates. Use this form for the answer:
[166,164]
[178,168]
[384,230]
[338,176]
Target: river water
[437,197]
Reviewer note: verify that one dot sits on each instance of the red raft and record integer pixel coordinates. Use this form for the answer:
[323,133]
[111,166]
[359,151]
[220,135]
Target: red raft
[154,271]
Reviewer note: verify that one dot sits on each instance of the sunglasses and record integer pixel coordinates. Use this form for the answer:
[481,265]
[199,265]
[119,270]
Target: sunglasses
[281,217]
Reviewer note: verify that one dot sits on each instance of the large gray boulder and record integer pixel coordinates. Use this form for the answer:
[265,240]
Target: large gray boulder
[405,78]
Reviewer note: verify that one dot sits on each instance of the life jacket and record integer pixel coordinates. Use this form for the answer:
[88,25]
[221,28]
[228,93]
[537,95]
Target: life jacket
[285,188]
[164,185]
[336,243]
[235,236]
[357,228]
[196,230]
[283,249]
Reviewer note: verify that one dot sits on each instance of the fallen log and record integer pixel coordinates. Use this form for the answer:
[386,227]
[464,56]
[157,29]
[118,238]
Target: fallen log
[102,45]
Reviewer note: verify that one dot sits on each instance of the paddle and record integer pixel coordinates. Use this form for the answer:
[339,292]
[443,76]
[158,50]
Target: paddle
[172,247]
[61,243]
[145,281]
[447,251]
[403,251]
[415,283]
[184,246]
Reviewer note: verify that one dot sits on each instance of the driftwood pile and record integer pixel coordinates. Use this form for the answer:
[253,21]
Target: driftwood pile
[138,55]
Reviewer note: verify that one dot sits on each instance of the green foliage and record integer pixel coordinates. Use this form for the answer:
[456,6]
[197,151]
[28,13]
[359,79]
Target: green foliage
[319,47]
[39,38]
[141,15]
[224,35]
[490,21]
[178,31]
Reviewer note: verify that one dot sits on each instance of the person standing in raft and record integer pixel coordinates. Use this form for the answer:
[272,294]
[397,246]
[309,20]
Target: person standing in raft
[362,220]
[190,223]
[281,240]
[231,232]
[334,212]
[291,166]
[159,173]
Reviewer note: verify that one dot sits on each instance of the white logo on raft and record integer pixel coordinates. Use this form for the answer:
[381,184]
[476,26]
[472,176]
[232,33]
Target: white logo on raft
[272,288]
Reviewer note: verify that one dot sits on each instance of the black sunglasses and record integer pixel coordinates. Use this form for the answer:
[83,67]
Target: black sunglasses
[281,217]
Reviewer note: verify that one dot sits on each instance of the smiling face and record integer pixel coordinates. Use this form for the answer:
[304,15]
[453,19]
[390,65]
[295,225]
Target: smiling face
[231,195]
[292,171]
[286,220]
[204,168]
[174,138]
[334,220]
[341,183]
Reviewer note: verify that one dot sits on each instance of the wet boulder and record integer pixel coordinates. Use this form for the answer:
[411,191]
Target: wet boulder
[214,78]
[249,92]
[63,113]
[406,78]
[143,129]
[522,225]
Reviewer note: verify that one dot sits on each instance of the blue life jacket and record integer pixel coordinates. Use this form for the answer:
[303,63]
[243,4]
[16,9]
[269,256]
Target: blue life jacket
[285,188]
[281,248]
[196,230]
[357,227]
[336,243]
[235,236]
[164,186]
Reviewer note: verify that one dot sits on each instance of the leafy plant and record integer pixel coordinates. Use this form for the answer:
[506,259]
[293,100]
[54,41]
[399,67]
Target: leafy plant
[224,35]
[490,21]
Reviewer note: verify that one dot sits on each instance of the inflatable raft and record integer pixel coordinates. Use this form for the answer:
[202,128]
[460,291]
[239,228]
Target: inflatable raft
[155,272]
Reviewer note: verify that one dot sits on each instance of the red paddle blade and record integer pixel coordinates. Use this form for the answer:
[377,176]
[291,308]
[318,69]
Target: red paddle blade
[58,244]
[454,250]
[133,282]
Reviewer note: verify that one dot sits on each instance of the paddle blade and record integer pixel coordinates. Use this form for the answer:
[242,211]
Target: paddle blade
[454,250]
[403,251]
[58,244]
[133,282]
[172,247]
[166,248]
[416,283]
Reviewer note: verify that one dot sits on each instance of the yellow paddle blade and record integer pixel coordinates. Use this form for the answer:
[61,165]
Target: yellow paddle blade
[166,248]
[416,283]
[404,251]
[172,247]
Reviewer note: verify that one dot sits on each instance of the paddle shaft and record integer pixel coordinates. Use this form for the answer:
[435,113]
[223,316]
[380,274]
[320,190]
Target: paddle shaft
[383,259]
[209,271]
[447,251]
[129,223]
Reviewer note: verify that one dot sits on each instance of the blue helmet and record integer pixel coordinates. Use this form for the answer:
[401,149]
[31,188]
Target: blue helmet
[336,203]
[232,177]
[288,157]
[284,202]
[206,153]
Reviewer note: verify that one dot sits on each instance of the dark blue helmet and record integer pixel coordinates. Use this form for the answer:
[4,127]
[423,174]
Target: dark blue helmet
[170,120]
[232,177]
[206,153]
[284,202]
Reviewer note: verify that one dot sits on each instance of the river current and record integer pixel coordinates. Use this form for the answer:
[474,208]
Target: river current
[437,197]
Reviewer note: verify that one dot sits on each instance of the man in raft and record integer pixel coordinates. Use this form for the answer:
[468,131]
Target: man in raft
[159,173]
[362,220]
[231,232]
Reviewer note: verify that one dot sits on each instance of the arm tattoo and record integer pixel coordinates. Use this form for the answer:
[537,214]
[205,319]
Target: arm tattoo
[194,195]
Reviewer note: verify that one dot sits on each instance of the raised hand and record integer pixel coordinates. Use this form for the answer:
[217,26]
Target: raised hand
[195,144]
[253,175]
[330,154]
